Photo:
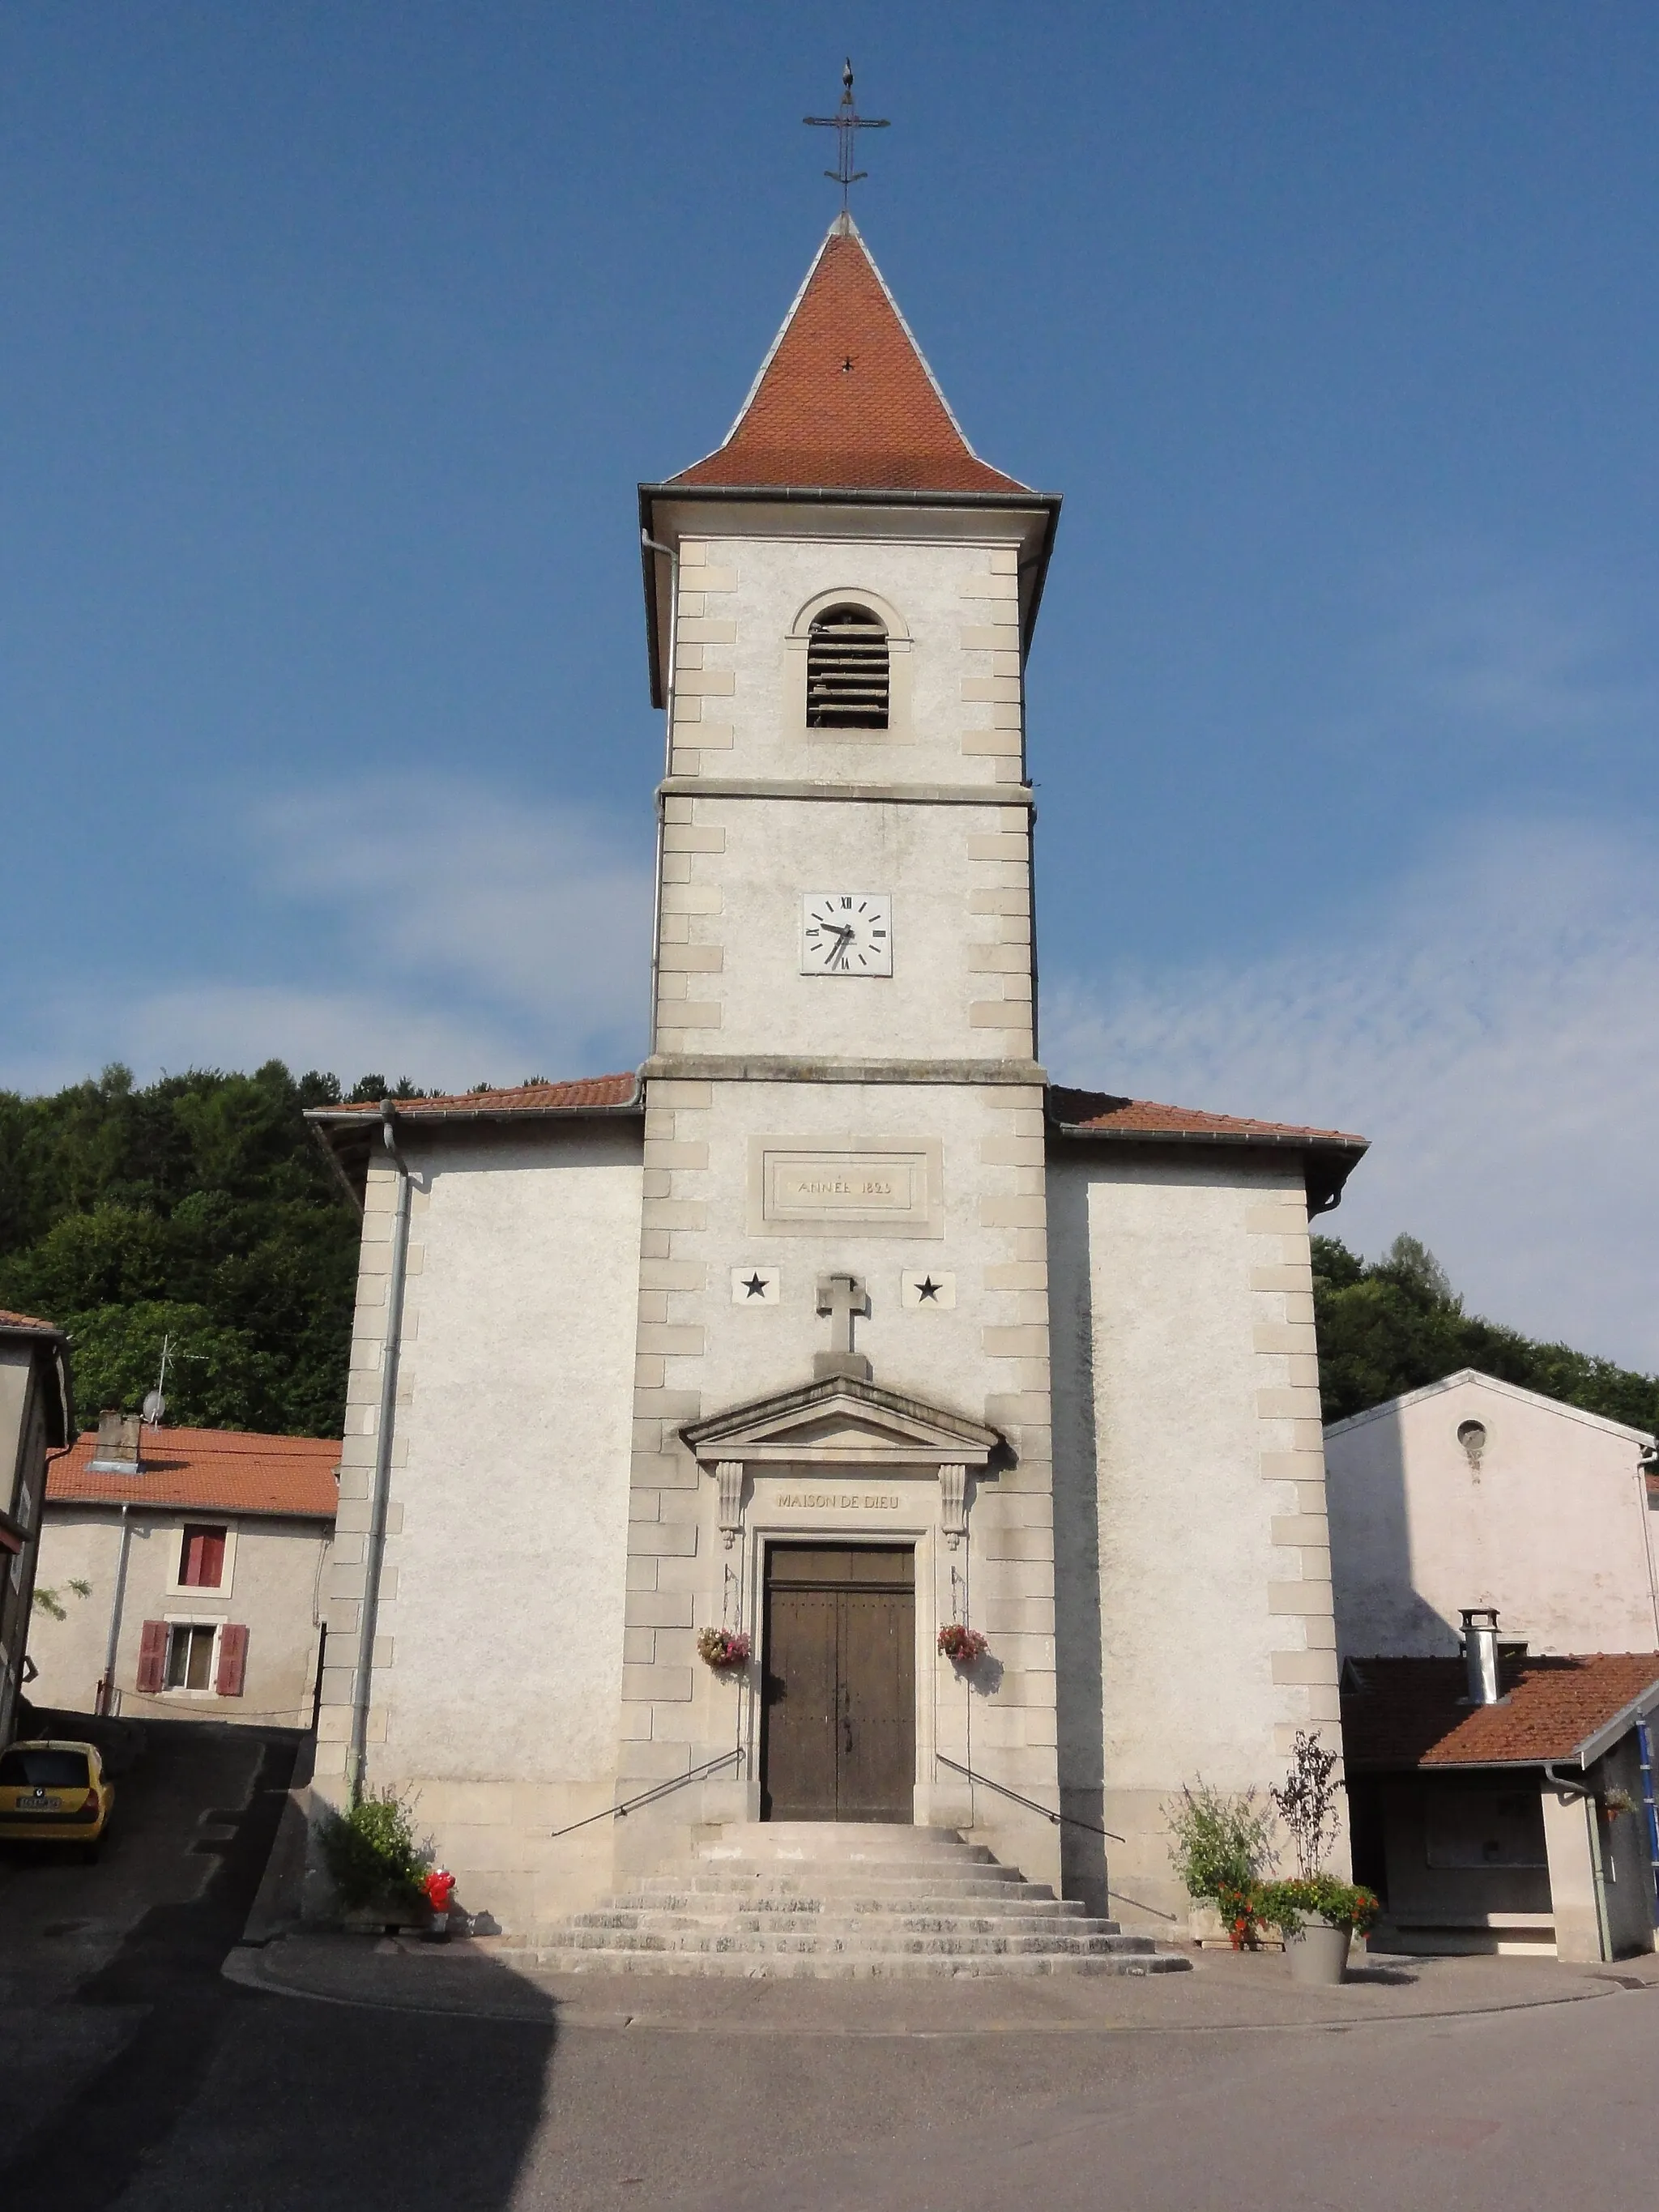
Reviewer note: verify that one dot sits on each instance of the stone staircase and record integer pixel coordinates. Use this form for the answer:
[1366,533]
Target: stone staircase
[841,1902]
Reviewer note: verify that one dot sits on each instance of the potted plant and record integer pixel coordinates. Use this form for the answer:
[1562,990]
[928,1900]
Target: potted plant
[1219,1845]
[1316,1914]
[723,1648]
[1318,1919]
[374,1863]
[962,1646]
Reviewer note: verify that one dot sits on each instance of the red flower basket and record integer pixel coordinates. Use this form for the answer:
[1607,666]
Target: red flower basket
[961,1646]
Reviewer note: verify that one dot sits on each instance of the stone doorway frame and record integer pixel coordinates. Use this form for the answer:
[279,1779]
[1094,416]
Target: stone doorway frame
[844,1462]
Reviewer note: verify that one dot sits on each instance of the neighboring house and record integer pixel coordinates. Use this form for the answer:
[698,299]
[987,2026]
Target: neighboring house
[1476,1492]
[205,1550]
[1524,1824]
[37,1415]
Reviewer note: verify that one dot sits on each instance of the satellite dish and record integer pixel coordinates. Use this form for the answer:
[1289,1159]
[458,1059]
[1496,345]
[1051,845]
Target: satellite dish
[154,1406]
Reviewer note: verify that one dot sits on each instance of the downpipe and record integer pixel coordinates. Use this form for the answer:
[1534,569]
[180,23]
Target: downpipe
[374,1554]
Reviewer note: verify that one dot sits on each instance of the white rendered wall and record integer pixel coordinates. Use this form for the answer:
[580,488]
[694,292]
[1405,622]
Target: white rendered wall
[499,1660]
[1552,1527]
[274,1591]
[1192,1574]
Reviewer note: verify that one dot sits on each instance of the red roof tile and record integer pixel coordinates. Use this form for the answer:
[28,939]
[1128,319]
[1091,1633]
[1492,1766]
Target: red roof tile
[845,399]
[1099,1113]
[27,1321]
[1398,1713]
[590,1090]
[217,1470]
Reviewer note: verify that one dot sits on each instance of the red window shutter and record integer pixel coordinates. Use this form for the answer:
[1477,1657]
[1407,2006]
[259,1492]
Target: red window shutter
[152,1654]
[232,1660]
[204,1561]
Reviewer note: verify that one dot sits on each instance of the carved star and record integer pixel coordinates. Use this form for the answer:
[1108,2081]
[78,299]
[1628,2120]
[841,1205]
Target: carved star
[927,1288]
[755,1286]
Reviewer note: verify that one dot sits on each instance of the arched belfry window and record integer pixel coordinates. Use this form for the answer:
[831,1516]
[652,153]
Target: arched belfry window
[846,671]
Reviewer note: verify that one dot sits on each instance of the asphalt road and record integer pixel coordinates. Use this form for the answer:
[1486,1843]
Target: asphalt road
[165,2086]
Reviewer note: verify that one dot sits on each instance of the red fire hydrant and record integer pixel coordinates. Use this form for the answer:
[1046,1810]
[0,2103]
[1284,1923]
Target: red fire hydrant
[440,1887]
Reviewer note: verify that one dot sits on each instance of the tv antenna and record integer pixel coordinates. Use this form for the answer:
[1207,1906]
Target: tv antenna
[155,1404]
[847,123]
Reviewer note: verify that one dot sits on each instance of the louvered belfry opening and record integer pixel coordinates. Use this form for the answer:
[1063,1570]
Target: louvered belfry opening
[846,671]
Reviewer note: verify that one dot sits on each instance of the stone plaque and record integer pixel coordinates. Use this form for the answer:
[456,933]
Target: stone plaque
[798,1186]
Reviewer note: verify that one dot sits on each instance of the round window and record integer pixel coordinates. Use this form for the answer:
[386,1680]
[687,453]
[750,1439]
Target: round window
[1472,1435]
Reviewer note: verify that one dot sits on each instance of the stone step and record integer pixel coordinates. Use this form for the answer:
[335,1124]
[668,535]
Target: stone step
[841,1966]
[770,1841]
[874,1942]
[781,1909]
[813,1926]
[840,1901]
[817,1883]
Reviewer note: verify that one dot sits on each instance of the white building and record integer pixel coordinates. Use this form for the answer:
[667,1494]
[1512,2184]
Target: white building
[837,1325]
[187,1567]
[1475,1492]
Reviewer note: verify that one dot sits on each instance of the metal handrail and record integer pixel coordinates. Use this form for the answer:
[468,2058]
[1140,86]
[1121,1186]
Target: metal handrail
[649,1797]
[1059,1820]
[1067,1820]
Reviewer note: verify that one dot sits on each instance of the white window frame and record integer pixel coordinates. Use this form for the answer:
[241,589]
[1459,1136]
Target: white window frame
[175,1558]
[218,1624]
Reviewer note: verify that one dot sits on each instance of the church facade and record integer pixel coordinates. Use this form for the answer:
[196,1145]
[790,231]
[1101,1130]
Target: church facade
[837,1325]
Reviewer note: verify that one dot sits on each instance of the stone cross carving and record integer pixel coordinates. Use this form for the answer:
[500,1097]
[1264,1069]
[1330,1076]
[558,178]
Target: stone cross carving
[842,1297]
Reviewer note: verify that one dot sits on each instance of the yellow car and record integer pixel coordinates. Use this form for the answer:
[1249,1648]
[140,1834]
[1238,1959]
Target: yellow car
[54,1792]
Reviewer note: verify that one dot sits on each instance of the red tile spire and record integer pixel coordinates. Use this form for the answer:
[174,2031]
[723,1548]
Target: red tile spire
[845,399]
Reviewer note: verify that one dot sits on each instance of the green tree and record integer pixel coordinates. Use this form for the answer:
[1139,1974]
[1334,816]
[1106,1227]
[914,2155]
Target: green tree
[198,1206]
[1393,1324]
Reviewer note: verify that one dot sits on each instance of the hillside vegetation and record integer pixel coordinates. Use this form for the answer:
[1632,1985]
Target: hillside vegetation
[200,1208]
[1397,1323]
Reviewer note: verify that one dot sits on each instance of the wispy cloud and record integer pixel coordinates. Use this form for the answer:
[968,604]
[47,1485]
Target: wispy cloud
[1491,1026]
[1512,654]
[424,928]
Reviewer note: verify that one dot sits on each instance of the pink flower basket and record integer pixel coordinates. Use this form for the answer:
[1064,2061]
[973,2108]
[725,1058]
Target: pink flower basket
[960,1645]
[723,1647]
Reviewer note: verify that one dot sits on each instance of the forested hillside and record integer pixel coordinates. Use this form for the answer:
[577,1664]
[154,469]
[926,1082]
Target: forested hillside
[201,1208]
[1397,1323]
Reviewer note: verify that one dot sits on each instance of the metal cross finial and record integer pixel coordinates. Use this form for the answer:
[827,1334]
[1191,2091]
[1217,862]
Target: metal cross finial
[848,123]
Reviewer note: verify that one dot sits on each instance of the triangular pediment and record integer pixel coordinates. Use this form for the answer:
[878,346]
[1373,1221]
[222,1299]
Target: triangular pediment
[842,1422]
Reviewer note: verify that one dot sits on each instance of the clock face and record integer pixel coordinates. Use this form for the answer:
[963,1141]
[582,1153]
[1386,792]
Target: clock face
[847,933]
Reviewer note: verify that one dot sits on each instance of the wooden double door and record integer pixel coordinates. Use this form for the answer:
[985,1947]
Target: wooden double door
[838,1739]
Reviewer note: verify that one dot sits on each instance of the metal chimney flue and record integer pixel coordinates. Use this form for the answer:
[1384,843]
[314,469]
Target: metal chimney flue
[1480,1654]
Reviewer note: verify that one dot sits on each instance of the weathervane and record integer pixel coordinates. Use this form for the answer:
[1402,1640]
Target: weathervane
[847,122]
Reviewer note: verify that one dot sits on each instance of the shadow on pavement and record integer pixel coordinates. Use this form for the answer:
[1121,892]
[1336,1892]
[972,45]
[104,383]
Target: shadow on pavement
[219,2094]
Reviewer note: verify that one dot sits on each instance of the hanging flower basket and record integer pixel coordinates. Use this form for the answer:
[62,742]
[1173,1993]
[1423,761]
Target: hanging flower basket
[723,1647]
[962,1646]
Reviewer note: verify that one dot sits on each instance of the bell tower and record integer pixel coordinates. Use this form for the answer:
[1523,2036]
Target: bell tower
[842,1087]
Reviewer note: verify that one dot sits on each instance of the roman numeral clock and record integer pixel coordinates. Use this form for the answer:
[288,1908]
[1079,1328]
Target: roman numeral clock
[847,933]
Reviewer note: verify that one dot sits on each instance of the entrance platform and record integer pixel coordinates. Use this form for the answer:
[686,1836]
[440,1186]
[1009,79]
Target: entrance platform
[841,1900]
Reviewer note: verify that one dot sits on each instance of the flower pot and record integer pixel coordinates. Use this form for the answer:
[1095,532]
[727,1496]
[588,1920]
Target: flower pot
[1319,1953]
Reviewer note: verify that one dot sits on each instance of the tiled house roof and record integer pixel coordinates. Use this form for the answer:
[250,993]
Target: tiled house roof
[28,1322]
[588,1091]
[1101,1113]
[208,1470]
[1404,1713]
[845,399]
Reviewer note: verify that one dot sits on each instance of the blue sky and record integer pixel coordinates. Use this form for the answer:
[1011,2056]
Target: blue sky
[335,338]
